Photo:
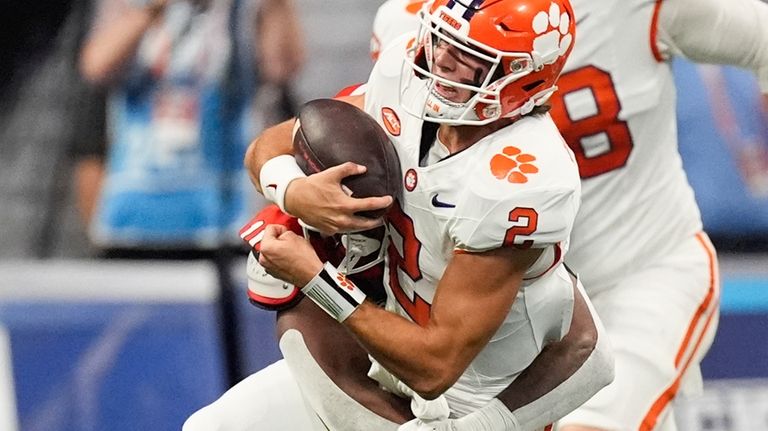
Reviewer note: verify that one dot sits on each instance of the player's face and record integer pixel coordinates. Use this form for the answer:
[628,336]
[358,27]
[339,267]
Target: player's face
[456,65]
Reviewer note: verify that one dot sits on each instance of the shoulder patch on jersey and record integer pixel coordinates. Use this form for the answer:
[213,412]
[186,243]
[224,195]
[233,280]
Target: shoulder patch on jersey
[391,120]
[410,180]
[513,165]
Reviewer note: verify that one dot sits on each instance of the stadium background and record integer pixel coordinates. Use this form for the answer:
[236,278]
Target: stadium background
[95,345]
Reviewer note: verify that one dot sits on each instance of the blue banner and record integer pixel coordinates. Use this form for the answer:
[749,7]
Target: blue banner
[723,130]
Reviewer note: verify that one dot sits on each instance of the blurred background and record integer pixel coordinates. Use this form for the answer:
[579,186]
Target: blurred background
[119,313]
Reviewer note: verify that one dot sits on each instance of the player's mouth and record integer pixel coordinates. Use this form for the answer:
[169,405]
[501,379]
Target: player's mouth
[445,90]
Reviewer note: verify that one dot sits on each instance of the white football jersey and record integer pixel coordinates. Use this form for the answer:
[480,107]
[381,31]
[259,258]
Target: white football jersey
[517,186]
[616,110]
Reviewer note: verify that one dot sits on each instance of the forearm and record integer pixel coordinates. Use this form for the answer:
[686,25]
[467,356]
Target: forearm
[431,356]
[113,44]
[428,359]
[714,31]
[392,341]
[275,141]
[594,374]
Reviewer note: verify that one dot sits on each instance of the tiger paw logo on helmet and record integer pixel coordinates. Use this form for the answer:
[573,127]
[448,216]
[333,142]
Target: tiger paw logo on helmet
[553,38]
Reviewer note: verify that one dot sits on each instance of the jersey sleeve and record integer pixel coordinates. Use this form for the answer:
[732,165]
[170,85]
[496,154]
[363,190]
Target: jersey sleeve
[695,29]
[535,218]
[522,190]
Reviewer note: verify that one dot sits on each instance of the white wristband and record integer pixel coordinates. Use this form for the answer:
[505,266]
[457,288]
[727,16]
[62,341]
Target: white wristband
[493,416]
[275,175]
[334,293]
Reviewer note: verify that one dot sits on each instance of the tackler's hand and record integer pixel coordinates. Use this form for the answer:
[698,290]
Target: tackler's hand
[321,201]
[287,256]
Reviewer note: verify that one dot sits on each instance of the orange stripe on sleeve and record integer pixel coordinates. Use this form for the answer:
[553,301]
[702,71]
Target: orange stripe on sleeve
[710,301]
[655,31]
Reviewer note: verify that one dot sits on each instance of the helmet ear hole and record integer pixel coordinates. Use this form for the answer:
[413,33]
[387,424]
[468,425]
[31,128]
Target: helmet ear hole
[532,85]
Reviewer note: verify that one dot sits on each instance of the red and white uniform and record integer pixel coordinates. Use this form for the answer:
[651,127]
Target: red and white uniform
[516,187]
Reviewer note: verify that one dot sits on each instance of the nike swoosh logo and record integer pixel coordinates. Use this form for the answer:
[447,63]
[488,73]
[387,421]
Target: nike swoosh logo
[438,204]
[272,186]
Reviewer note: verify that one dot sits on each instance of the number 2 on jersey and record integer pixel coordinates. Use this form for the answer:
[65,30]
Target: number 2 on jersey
[601,118]
[417,308]
[526,223]
[531,219]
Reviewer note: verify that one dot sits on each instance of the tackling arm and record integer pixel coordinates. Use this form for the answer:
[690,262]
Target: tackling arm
[562,377]
[714,31]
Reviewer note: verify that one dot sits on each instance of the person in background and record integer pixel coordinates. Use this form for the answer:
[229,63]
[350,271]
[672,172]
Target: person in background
[43,130]
[182,77]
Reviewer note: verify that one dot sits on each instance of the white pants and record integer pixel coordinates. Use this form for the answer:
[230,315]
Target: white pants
[661,321]
[269,400]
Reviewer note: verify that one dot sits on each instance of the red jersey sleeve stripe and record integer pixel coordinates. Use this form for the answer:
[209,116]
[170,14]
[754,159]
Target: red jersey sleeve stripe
[348,91]
[655,31]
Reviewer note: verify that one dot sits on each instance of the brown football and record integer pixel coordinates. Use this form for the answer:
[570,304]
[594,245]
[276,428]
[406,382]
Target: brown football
[331,132]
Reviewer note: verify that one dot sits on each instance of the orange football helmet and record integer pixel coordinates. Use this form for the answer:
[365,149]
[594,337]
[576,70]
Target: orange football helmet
[525,42]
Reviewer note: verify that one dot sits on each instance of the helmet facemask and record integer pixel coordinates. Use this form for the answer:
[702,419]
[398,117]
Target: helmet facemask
[418,92]
[524,42]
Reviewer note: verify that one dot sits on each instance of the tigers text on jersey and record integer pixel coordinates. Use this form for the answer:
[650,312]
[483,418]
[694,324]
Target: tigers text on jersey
[517,186]
[616,109]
